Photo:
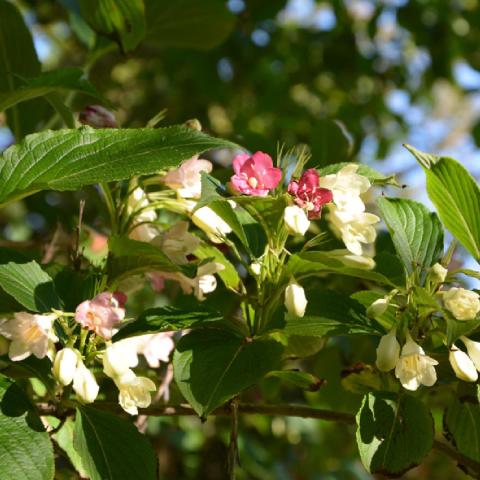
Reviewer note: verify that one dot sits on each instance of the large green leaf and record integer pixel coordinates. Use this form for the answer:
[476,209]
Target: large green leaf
[462,421]
[120,20]
[183,23]
[456,196]
[111,448]
[69,79]
[167,319]
[25,449]
[18,60]
[393,435]
[64,438]
[70,159]
[416,233]
[212,366]
[29,285]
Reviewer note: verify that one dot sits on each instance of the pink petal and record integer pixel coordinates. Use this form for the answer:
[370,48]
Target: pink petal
[238,162]
[272,178]
[262,161]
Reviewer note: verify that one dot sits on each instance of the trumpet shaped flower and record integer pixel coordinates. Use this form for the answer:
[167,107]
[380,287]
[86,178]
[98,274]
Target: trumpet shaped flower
[388,351]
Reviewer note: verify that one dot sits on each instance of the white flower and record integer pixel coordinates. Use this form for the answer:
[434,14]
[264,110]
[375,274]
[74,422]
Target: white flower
[378,307]
[4,346]
[143,231]
[65,365]
[363,261]
[186,179]
[462,365]
[208,221]
[177,243]
[414,368]
[473,349]
[256,268]
[438,273]
[29,334]
[156,347]
[296,220]
[295,299]
[134,392]
[388,351]
[205,281]
[464,304]
[84,384]
[120,357]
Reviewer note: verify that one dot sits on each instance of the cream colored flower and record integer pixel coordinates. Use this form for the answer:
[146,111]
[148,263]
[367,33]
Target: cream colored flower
[378,307]
[65,365]
[156,347]
[138,205]
[177,243]
[84,384]
[462,365]
[120,357]
[205,281]
[473,349]
[296,220]
[29,334]
[464,304]
[414,368]
[438,273]
[134,392]
[388,351]
[186,179]
[295,299]
[208,221]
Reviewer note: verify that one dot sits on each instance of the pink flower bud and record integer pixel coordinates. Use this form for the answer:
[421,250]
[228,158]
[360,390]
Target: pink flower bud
[97,117]
[308,194]
[102,313]
[255,175]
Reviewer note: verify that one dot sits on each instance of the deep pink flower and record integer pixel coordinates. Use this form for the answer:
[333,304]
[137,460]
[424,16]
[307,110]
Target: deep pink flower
[255,175]
[102,313]
[308,194]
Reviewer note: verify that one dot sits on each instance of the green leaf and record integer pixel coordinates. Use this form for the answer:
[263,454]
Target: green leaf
[393,435]
[183,23]
[229,275]
[426,160]
[303,380]
[25,449]
[212,366]
[121,20]
[167,319]
[462,421]
[69,79]
[375,177]
[456,196]
[29,285]
[111,448]
[416,233]
[70,159]
[130,257]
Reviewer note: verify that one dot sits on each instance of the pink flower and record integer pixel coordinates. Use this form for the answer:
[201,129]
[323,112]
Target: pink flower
[255,175]
[97,117]
[102,313]
[308,194]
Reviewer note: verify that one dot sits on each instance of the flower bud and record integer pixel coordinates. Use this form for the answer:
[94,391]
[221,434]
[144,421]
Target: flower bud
[296,220]
[4,345]
[65,365]
[84,384]
[256,268]
[295,299]
[438,273]
[97,117]
[208,221]
[388,351]
[462,365]
[378,307]
[473,349]
[464,304]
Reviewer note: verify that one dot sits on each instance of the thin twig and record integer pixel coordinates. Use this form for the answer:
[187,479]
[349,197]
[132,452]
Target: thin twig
[233,447]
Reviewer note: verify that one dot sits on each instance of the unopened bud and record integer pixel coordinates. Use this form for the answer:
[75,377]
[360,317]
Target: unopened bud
[296,220]
[65,365]
[462,365]
[295,299]
[84,384]
[473,349]
[377,308]
[388,351]
[438,273]
[97,117]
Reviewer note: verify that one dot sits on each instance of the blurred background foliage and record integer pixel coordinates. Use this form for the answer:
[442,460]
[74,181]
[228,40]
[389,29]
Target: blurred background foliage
[264,72]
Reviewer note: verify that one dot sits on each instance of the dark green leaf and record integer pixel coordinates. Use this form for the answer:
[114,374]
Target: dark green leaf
[64,438]
[212,366]
[393,435]
[70,159]
[111,448]
[167,319]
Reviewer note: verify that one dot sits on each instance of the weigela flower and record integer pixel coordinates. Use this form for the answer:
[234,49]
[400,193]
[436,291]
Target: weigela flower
[378,307]
[414,367]
[156,347]
[464,304]
[295,299]
[138,205]
[186,179]
[388,351]
[65,365]
[134,392]
[102,313]
[296,220]
[29,334]
[438,273]
[120,357]
[462,365]
[84,384]
[308,194]
[473,349]
[97,117]
[213,225]
[255,175]
[177,243]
